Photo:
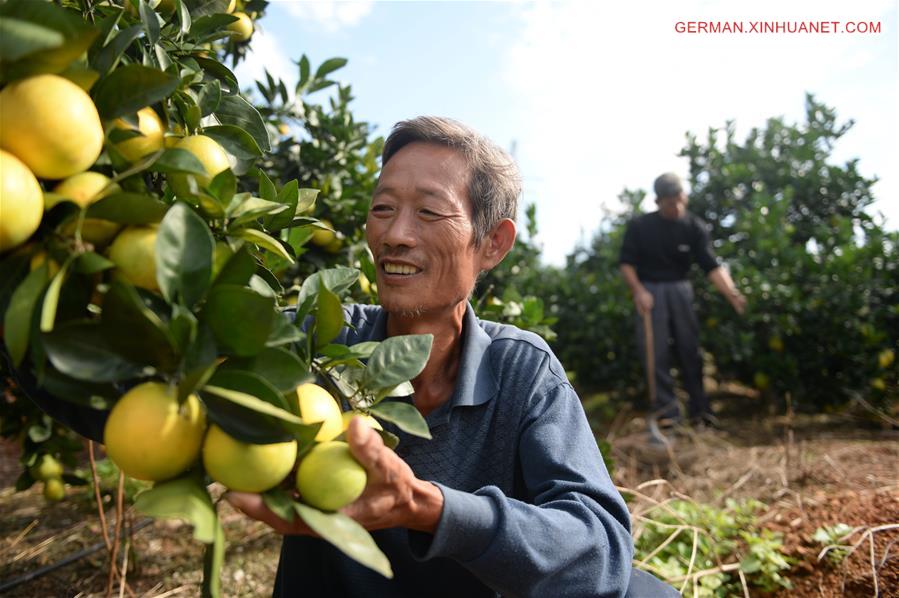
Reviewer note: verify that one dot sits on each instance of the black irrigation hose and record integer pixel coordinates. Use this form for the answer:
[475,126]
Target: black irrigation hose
[41,571]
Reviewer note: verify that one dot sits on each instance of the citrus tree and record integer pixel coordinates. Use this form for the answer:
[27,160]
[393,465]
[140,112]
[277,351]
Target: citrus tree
[796,230]
[142,247]
[819,270]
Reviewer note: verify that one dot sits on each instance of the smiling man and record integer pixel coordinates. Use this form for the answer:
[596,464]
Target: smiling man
[511,495]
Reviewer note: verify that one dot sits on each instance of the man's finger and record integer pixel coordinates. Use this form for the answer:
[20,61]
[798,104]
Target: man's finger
[252,505]
[365,444]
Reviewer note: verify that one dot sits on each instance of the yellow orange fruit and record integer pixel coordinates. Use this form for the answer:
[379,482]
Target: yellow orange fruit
[50,124]
[347,417]
[322,237]
[150,436]
[21,202]
[317,405]
[151,138]
[210,154]
[241,29]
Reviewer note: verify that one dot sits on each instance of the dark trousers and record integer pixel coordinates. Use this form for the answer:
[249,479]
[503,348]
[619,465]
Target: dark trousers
[673,319]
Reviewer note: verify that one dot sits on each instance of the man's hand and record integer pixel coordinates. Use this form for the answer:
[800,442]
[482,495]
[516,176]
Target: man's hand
[254,507]
[738,302]
[643,301]
[393,496]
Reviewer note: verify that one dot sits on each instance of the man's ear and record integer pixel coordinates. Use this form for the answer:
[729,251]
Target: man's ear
[497,244]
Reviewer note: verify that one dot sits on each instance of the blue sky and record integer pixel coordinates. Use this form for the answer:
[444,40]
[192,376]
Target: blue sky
[597,97]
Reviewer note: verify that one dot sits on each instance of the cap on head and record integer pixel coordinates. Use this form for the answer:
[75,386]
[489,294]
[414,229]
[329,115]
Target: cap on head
[668,185]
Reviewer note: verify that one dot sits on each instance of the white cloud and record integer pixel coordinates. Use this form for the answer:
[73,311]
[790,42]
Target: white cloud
[608,93]
[331,15]
[266,53]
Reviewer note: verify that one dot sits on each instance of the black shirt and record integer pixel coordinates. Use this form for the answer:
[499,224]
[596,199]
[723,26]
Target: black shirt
[662,250]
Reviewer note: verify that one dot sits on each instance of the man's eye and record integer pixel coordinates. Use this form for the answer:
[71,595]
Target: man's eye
[380,208]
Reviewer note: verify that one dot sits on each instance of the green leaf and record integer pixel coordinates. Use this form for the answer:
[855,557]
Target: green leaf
[280,503]
[88,394]
[283,369]
[235,140]
[404,415]
[130,88]
[288,196]
[329,66]
[250,402]
[51,298]
[128,208]
[345,534]
[235,110]
[194,380]
[240,318]
[183,498]
[216,69]
[150,21]
[306,200]
[328,317]
[17,320]
[213,559]
[135,330]
[40,37]
[210,24]
[397,359]
[337,280]
[304,72]
[202,8]
[224,186]
[184,16]
[265,241]
[81,350]
[210,97]
[176,160]
[91,263]
[254,208]
[355,352]
[20,38]
[283,333]
[267,189]
[108,57]
[184,248]
[238,269]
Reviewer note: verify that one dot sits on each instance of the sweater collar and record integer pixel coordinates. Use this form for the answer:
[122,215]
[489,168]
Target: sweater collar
[475,382]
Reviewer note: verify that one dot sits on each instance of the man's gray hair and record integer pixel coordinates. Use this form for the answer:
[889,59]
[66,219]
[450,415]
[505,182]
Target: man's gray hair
[494,181]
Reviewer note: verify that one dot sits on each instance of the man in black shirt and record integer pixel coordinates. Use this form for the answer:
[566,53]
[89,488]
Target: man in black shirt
[656,255]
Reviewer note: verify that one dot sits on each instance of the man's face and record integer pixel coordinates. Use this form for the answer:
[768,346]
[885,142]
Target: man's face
[420,232]
[673,208]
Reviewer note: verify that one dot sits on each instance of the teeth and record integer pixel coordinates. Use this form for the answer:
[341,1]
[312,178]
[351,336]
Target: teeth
[399,268]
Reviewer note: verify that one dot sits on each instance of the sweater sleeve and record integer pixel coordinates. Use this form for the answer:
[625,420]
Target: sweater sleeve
[572,535]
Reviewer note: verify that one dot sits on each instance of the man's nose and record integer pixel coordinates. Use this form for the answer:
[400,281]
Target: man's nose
[401,231]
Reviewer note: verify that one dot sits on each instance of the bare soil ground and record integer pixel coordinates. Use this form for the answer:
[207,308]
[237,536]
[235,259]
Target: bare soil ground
[810,471]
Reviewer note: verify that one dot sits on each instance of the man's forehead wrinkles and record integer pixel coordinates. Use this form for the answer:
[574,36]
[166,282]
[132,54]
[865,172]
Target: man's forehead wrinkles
[419,190]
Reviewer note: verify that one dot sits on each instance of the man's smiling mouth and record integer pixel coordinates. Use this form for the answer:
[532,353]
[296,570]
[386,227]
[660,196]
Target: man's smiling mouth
[401,269]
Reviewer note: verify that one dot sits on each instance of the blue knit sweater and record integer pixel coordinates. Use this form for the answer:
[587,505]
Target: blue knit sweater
[529,508]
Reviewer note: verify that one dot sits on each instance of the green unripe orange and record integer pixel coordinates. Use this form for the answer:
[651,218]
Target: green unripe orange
[54,489]
[329,477]
[246,467]
[134,254]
